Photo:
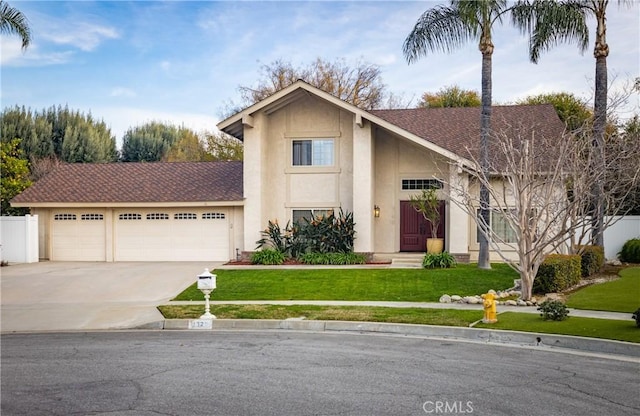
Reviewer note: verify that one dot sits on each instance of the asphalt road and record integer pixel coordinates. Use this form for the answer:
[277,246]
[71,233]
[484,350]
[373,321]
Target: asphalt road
[301,373]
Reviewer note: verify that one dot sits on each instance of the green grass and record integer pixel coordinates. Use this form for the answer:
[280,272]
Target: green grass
[421,316]
[573,325]
[527,322]
[410,285]
[622,295]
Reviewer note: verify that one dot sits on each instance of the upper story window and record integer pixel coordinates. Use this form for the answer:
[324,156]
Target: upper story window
[313,152]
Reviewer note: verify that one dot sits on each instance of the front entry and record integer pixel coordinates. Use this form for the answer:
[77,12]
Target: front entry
[415,229]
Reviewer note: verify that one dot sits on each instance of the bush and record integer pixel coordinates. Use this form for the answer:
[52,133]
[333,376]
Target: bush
[636,316]
[557,273]
[268,256]
[630,252]
[442,260]
[592,259]
[332,258]
[553,310]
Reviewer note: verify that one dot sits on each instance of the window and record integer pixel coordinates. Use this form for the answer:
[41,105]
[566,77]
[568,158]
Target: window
[158,216]
[419,184]
[129,216]
[64,217]
[213,216]
[310,214]
[92,217]
[185,216]
[315,152]
[499,227]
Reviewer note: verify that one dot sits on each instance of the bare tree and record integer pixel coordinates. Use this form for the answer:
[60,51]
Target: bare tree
[541,192]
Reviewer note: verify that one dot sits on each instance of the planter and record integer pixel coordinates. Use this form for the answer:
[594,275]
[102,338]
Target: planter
[435,245]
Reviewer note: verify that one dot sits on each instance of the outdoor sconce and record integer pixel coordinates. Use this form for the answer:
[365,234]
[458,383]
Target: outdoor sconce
[207,284]
[376,211]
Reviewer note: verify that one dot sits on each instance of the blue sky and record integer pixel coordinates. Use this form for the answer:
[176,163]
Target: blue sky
[130,62]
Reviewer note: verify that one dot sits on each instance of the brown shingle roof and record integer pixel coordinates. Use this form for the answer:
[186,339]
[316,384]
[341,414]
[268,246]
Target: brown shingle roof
[138,182]
[456,129]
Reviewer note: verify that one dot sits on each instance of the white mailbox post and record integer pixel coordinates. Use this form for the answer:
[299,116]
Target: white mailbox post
[206,284]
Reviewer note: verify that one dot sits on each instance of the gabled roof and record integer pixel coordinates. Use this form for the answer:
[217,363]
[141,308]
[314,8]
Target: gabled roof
[447,131]
[117,183]
[458,129]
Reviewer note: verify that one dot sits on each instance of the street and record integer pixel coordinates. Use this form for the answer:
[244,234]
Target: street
[302,373]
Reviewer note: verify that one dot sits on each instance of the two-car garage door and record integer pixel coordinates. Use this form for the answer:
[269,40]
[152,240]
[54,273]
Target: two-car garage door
[178,234]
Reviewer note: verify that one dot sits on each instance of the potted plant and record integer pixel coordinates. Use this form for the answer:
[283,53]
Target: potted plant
[428,205]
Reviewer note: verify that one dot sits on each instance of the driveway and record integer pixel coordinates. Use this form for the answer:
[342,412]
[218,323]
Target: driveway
[87,295]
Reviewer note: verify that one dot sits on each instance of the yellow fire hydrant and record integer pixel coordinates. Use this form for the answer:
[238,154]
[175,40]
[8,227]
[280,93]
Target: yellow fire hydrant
[489,305]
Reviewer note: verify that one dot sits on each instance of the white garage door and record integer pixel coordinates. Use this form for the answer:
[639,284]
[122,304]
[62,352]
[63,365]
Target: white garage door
[78,235]
[171,235]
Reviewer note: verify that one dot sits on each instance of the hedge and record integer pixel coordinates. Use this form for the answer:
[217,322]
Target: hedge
[557,273]
[592,259]
[630,252]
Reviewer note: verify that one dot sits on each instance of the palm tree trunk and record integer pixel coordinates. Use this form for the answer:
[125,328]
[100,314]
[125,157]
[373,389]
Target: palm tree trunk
[600,52]
[485,130]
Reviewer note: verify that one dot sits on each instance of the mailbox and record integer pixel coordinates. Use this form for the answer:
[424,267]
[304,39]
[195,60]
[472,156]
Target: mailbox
[206,281]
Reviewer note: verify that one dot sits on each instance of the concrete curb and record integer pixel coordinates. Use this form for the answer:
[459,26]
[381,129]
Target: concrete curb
[593,345]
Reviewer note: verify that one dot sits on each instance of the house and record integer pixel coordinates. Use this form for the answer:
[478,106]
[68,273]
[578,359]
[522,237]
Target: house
[306,152]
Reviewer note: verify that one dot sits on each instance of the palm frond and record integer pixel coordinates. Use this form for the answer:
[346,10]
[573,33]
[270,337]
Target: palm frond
[12,21]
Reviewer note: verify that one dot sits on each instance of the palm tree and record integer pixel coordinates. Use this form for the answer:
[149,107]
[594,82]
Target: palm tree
[444,28]
[12,21]
[551,22]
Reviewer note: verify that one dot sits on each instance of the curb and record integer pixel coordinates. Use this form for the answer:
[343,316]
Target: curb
[593,345]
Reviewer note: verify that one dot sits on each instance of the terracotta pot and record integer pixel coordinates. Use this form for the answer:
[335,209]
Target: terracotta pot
[435,245]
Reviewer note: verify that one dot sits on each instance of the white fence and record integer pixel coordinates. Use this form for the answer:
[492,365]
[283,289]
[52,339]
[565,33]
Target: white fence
[19,239]
[616,235]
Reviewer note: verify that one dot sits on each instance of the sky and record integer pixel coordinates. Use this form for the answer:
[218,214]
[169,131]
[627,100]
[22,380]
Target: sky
[181,62]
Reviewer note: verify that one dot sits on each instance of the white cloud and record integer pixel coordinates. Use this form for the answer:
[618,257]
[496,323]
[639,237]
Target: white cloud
[84,36]
[122,92]
[13,55]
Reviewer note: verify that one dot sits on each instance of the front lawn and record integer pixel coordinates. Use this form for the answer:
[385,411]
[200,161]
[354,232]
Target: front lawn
[409,285]
[573,325]
[622,295]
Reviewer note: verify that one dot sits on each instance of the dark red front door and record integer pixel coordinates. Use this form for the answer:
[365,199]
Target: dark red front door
[414,229]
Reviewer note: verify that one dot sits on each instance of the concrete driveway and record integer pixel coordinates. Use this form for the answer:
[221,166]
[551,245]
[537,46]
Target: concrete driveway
[86,295]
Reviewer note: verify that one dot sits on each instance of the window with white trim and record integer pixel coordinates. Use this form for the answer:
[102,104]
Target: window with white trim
[185,216]
[419,184]
[312,152]
[65,217]
[92,217]
[158,216]
[213,216]
[500,227]
[310,214]
[129,216]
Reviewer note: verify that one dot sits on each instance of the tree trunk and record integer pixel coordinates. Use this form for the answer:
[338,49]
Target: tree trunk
[526,284]
[485,127]
[600,52]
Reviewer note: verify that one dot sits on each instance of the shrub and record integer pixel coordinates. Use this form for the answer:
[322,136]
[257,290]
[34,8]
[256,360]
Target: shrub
[557,273]
[553,310]
[592,259]
[268,256]
[275,238]
[442,260]
[332,258]
[327,234]
[630,252]
[636,316]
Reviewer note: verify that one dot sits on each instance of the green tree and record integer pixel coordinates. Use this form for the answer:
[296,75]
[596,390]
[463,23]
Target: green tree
[552,22]
[13,22]
[84,142]
[15,175]
[149,142]
[573,111]
[452,96]
[445,28]
[223,147]
[188,148]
